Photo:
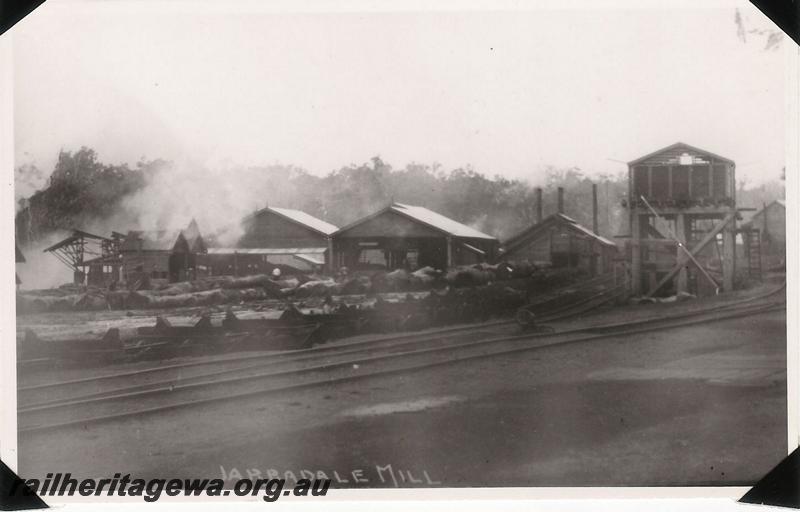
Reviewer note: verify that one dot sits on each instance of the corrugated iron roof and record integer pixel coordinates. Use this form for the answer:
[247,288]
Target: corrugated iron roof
[556,217]
[162,240]
[76,235]
[678,145]
[781,202]
[300,217]
[267,250]
[589,232]
[439,221]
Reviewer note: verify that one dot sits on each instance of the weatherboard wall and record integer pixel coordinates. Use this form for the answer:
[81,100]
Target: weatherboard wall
[268,229]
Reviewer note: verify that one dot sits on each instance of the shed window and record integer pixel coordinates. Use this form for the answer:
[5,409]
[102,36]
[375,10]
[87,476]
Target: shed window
[372,257]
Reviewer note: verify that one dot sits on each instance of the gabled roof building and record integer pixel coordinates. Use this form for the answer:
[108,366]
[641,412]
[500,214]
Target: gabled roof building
[162,254]
[406,236]
[273,237]
[273,227]
[560,241]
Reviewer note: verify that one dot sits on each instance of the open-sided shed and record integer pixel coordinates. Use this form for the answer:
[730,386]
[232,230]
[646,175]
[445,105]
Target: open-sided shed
[406,236]
[91,257]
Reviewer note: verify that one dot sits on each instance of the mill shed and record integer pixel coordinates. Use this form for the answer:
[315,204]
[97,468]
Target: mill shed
[560,241]
[406,236]
[304,240]
[234,261]
[194,238]
[156,254]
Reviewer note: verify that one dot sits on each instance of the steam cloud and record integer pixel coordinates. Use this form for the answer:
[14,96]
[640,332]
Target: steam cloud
[217,198]
[40,269]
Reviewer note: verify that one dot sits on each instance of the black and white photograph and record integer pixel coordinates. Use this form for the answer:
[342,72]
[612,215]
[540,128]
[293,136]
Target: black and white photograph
[373,246]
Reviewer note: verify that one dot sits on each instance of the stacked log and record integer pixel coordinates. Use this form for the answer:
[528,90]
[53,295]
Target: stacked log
[232,290]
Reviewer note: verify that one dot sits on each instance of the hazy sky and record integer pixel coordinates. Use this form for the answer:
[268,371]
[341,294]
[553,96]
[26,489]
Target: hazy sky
[508,92]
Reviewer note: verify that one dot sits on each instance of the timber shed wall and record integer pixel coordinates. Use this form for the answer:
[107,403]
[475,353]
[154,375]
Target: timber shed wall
[270,230]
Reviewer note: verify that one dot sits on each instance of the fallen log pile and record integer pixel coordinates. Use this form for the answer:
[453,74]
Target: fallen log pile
[224,290]
[166,340]
[373,313]
[291,331]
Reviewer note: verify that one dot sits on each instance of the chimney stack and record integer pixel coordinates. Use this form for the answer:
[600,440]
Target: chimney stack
[539,205]
[560,199]
[594,208]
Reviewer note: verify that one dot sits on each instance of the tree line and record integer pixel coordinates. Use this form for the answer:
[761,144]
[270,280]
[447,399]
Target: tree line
[81,192]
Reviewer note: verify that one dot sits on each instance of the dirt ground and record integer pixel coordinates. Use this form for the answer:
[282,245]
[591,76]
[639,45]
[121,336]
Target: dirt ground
[54,326]
[689,406]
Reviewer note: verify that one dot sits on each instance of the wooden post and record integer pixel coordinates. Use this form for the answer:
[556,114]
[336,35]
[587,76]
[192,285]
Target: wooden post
[652,280]
[647,228]
[594,209]
[614,275]
[636,255]
[570,250]
[449,241]
[729,255]
[683,275]
[560,199]
[539,206]
[711,179]
[695,250]
[669,184]
[329,259]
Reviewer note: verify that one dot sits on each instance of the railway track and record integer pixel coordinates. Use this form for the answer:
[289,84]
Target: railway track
[354,361]
[553,307]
